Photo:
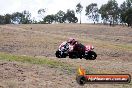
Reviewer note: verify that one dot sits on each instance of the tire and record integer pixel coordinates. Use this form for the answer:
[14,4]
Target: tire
[91,55]
[64,55]
[81,80]
[58,54]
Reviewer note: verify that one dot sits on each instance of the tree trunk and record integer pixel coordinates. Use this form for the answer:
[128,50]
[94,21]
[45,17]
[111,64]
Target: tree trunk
[80,17]
[113,21]
[128,24]
[110,23]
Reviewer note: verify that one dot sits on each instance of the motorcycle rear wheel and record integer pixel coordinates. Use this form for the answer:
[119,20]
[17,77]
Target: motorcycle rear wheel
[91,55]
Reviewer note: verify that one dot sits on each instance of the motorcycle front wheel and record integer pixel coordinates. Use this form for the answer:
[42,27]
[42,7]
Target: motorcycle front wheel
[59,55]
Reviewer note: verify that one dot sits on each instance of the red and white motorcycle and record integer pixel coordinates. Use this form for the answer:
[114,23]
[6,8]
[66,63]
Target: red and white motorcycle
[79,51]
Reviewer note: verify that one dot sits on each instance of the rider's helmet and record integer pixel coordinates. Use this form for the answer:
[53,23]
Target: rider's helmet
[71,40]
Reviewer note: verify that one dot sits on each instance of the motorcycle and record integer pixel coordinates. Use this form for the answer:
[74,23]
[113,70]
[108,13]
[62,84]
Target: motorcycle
[79,51]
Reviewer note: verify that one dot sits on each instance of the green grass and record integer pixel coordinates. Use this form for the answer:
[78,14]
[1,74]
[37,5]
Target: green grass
[39,61]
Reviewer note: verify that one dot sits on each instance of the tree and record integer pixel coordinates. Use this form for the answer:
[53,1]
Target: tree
[129,3]
[92,12]
[103,12]
[113,11]
[7,19]
[26,17]
[70,16]
[79,8]
[126,12]
[21,18]
[34,21]
[128,17]
[110,11]
[2,20]
[48,19]
[59,17]
[42,13]
[17,17]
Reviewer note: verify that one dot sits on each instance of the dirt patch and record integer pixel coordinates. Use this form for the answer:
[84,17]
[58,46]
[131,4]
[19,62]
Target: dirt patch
[25,75]
[14,75]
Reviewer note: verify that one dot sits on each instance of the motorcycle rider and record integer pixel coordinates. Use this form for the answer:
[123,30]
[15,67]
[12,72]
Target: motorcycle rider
[72,42]
[76,48]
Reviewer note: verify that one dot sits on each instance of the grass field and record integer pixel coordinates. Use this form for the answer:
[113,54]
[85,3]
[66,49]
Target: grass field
[27,54]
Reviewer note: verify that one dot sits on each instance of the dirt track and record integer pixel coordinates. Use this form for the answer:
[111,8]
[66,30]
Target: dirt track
[112,44]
